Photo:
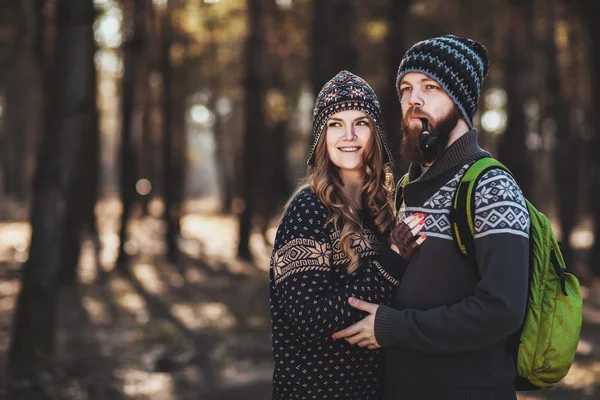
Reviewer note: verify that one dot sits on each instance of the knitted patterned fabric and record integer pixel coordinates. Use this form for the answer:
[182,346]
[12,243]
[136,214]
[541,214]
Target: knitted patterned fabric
[458,64]
[346,91]
[309,291]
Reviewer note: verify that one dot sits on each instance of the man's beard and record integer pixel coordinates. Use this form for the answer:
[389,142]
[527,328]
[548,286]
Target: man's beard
[440,128]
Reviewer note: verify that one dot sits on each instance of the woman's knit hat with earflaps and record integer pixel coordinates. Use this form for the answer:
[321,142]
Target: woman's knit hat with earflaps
[346,91]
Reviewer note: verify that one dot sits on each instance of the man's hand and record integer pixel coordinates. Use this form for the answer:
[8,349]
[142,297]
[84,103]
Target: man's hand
[361,333]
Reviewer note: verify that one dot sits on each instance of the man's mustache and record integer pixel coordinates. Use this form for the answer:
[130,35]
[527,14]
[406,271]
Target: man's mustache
[415,112]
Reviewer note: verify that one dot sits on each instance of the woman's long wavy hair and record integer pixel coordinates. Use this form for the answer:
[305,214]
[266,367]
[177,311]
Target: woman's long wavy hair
[324,178]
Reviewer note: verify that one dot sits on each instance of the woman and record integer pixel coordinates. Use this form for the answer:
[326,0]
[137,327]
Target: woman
[331,245]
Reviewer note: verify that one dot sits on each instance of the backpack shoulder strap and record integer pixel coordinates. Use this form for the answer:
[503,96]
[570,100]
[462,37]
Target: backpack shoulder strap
[463,205]
[399,193]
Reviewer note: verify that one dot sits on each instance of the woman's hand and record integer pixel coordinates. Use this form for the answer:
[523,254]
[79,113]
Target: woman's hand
[405,238]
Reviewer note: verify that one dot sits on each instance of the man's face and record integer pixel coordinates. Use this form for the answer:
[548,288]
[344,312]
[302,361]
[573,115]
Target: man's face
[423,97]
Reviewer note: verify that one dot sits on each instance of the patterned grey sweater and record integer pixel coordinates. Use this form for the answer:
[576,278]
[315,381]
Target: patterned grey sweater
[446,335]
[309,295]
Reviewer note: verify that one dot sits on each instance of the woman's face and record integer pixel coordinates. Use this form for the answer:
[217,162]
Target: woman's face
[348,134]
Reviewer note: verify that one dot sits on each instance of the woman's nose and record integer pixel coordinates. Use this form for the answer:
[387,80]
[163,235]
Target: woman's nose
[349,133]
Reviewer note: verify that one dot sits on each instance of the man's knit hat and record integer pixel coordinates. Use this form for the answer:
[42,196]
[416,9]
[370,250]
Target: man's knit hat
[458,64]
[346,91]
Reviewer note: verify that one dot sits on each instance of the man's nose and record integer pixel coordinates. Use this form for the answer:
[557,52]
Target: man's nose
[415,98]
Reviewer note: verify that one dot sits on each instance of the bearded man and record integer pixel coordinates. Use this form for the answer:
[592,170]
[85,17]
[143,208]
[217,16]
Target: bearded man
[448,332]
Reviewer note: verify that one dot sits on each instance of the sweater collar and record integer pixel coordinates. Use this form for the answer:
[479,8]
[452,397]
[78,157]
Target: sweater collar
[463,150]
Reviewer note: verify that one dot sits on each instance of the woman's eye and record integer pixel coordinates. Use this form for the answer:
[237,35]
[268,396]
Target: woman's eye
[334,124]
[404,89]
[362,123]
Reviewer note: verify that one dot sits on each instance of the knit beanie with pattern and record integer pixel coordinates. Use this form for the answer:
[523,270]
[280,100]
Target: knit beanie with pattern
[458,64]
[346,91]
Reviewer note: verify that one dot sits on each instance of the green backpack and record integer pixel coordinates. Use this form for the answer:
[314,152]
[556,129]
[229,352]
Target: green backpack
[545,345]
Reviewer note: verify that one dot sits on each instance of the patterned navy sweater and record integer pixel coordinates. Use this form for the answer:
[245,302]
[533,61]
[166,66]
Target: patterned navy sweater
[309,295]
[446,335]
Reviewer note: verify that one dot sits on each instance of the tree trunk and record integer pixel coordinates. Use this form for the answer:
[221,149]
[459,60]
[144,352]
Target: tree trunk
[147,167]
[83,194]
[396,47]
[20,87]
[173,131]
[275,186]
[590,10]
[178,163]
[91,185]
[14,139]
[518,77]
[333,42]
[254,122]
[223,151]
[224,155]
[145,105]
[59,168]
[565,165]
[134,14]
[41,45]
[320,61]
[342,40]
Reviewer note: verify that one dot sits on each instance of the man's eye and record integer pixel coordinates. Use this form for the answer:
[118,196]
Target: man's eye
[404,89]
[431,87]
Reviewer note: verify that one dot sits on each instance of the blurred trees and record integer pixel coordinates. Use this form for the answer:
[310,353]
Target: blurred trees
[134,87]
[254,129]
[244,74]
[20,87]
[56,217]
[333,40]
[281,99]
[518,84]
[175,72]
[217,79]
[397,14]
[589,9]
[565,150]
[302,44]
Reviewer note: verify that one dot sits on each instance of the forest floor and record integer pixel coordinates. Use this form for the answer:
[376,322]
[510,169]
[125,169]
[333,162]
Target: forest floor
[196,330]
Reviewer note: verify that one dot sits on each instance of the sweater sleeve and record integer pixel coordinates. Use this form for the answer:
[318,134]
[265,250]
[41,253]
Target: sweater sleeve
[497,306]
[392,264]
[315,302]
